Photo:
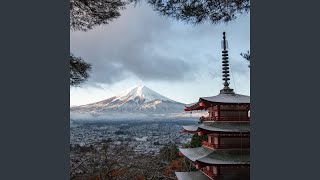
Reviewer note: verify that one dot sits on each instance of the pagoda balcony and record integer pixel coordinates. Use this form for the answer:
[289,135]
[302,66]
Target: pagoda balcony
[208,145]
[225,118]
[224,146]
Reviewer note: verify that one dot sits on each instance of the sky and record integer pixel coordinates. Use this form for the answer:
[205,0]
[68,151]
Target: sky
[178,60]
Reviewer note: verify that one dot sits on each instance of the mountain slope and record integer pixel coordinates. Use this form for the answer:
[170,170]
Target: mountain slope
[137,101]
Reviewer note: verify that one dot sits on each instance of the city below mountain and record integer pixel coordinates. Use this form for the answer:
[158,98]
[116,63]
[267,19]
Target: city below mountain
[138,102]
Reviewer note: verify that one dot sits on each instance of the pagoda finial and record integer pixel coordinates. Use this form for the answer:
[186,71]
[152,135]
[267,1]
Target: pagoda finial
[225,67]
[224,45]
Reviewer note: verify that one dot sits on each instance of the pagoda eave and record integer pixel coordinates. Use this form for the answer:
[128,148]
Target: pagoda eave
[217,127]
[194,154]
[190,129]
[245,164]
[194,175]
[221,99]
[195,107]
[215,157]
[205,131]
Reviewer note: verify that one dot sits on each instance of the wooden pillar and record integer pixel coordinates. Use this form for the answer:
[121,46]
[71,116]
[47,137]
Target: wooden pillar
[218,135]
[218,109]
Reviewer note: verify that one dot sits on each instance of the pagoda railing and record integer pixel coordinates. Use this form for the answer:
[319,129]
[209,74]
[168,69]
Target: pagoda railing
[224,146]
[209,173]
[225,118]
[208,145]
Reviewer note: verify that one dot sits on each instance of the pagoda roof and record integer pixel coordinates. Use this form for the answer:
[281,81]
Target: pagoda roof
[222,98]
[226,158]
[195,153]
[191,128]
[194,175]
[223,127]
[228,98]
[228,127]
[215,157]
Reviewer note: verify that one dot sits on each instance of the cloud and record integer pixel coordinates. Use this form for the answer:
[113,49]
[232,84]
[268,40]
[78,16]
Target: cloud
[146,46]
[130,46]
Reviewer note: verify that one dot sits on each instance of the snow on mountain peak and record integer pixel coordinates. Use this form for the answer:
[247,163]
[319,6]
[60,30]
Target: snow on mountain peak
[138,102]
[141,92]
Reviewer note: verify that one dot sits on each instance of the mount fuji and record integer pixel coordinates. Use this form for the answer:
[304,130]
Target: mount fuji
[134,103]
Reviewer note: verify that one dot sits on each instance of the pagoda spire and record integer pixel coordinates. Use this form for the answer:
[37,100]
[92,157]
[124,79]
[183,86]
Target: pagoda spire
[225,67]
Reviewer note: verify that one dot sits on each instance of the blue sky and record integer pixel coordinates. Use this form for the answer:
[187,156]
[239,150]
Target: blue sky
[178,60]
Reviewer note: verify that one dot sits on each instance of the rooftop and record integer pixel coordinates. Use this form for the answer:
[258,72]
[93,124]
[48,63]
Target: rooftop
[216,157]
[194,175]
[234,127]
[219,99]
[227,158]
[195,153]
[228,98]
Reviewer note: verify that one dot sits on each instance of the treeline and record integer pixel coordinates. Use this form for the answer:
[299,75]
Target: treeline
[105,161]
[108,162]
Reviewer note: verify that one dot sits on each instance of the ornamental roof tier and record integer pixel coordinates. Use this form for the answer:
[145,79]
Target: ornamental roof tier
[220,127]
[226,158]
[195,153]
[222,98]
[234,127]
[191,128]
[216,157]
[228,98]
[194,175]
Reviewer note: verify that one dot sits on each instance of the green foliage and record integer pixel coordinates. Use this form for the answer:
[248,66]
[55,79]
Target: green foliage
[199,11]
[78,70]
[196,140]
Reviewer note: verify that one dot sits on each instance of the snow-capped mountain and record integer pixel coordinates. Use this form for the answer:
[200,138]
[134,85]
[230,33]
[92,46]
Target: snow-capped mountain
[139,101]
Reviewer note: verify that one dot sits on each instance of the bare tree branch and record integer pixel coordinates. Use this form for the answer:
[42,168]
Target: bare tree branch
[246,56]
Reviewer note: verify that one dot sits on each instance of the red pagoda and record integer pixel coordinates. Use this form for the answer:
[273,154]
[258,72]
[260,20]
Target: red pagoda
[226,152]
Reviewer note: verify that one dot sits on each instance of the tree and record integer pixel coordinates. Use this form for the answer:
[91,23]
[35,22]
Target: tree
[246,56]
[78,70]
[198,11]
[197,140]
[99,161]
[85,14]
